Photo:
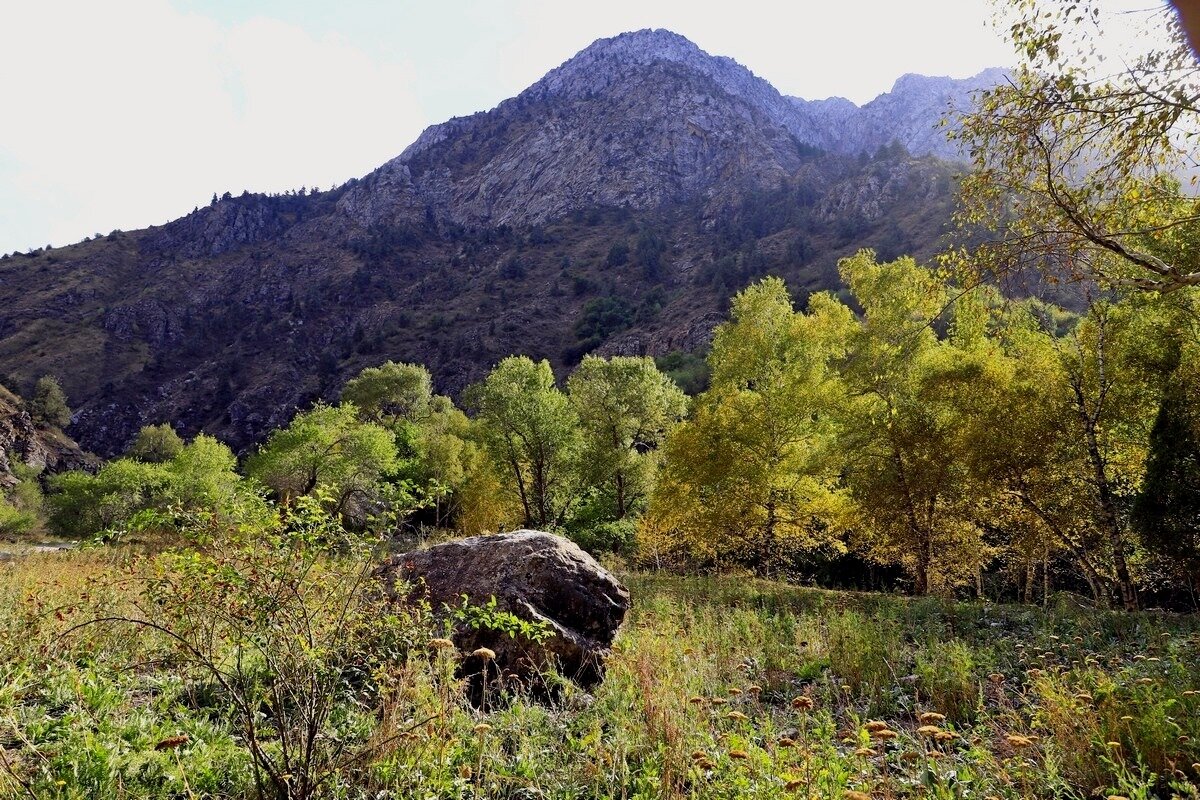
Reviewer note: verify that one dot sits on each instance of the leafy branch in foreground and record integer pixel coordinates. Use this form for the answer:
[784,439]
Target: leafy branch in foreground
[1079,160]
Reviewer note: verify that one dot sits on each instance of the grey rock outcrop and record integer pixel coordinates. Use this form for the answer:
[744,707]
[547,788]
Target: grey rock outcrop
[637,120]
[909,114]
[537,576]
[43,449]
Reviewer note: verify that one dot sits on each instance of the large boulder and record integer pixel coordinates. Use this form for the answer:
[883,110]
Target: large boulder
[537,576]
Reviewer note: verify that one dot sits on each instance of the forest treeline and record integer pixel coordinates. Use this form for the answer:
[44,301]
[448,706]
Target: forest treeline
[956,440]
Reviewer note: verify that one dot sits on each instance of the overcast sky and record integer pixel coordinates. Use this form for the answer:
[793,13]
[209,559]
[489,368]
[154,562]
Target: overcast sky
[128,113]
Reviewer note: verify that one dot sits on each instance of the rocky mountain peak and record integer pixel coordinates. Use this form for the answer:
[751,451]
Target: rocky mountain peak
[644,46]
[924,89]
[634,120]
[594,67]
[909,114]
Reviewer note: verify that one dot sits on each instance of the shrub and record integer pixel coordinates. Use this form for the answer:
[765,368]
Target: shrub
[602,317]
[14,521]
[83,505]
[289,628]
[48,406]
[618,255]
[618,536]
[689,370]
[128,495]
[155,444]
[21,505]
[946,673]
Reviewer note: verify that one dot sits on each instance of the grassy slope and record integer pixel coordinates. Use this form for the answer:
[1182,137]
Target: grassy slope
[698,702]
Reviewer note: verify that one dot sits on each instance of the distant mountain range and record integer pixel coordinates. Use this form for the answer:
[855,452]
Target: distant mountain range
[613,205]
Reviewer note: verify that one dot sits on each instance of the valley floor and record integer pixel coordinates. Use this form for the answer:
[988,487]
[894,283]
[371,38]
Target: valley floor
[718,688]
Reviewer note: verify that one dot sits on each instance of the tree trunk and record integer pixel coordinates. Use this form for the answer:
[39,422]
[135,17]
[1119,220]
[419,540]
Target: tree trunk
[522,491]
[924,560]
[768,545]
[1095,580]
[541,491]
[1046,579]
[1110,520]
[620,495]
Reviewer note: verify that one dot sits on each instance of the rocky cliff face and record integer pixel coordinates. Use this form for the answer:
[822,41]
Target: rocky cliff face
[640,120]
[43,449]
[614,205]
[908,114]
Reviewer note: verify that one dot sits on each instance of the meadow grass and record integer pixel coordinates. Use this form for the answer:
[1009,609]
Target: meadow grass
[718,688]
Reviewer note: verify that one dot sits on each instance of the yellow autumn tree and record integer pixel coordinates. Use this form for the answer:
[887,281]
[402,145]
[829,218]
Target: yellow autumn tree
[748,479]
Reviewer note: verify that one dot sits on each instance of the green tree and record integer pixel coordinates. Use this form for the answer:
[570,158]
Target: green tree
[391,392]
[1078,416]
[749,477]
[129,494]
[1076,158]
[447,453]
[532,432]
[331,451]
[48,406]
[203,475]
[432,436]
[1113,400]
[156,444]
[625,407]
[1166,512]
[1029,459]
[21,504]
[689,370]
[14,521]
[82,505]
[904,458]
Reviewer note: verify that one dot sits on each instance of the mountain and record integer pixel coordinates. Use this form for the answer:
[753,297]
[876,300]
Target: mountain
[908,114]
[639,120]
[613,205]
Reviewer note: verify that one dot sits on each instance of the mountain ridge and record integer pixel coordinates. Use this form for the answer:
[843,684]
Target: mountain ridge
[833,124]
[919,98]
[612,206]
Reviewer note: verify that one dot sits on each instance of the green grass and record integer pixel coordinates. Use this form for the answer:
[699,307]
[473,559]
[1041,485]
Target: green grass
[700,701]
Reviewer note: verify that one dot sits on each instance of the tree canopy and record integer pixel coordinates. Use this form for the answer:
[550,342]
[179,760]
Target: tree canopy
[748,478]
[530,428]
[331,451]
[48,406]
[625,408]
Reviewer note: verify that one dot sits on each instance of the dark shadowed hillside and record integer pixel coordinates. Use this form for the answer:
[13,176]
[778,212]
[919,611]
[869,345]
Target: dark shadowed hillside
[613,205]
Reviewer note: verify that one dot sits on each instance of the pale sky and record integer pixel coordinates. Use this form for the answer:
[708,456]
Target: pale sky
[128,113]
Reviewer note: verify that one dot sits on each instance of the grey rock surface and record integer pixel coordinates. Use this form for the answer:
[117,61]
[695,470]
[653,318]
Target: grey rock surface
[43,449]
[909,114]
[537,576]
